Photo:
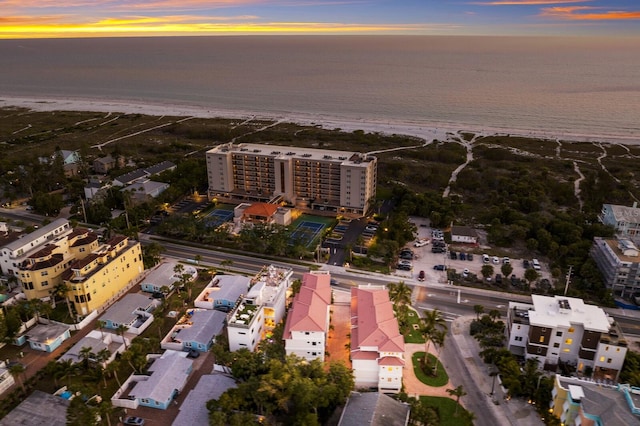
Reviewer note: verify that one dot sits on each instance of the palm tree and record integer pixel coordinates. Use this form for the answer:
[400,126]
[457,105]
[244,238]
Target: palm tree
[438,341]
[429,325]
[86,353]
[494,314]
[113,368]
[478,309]
[61,290]
[400,293]
[17,371]
[226,264]
[458,393]
[101,325]
[121,330]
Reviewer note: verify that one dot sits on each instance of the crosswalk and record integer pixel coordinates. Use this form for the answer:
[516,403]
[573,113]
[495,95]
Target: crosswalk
[448,316]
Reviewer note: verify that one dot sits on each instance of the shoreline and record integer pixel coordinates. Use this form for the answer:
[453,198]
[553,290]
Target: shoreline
[428,131]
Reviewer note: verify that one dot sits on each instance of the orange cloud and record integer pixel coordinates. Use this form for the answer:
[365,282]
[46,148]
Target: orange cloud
[526,2]
[586,13]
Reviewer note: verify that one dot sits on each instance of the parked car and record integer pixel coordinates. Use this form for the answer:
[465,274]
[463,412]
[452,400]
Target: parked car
[436,249]
[158,295]
[440,267]
[421,243]
[536,264]
[485,258]
[469,256]
[404,267]
[462,256]
[498,279]
[506,260]
[453,255]
[495,260]
[134,421]
[525,264]
[421,276]
[465,272]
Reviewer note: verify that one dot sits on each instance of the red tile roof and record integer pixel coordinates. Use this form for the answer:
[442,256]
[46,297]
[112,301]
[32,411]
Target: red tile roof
[260,210]
[309,309]
[373,321]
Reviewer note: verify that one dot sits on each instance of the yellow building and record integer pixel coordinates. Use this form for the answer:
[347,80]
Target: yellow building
[42,270]
[103,274]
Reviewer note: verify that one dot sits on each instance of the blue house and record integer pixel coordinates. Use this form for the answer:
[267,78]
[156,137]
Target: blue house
[167,377]
[223,292]
[47,338]
[197,329]
[133,311]
[164,275]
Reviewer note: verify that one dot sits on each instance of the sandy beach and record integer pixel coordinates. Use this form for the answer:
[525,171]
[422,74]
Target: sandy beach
[427,131]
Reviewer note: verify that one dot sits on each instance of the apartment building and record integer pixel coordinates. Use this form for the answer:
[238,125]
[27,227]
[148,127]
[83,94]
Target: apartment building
[263,307]
[619,263]
[377,347]
[13,254]
[566,330]
[307,325]
[625,220]
[586,403]
[101,276]
[310,179]
[40,270]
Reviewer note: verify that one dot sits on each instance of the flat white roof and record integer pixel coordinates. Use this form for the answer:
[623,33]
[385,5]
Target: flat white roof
[576,392]
[122,312]
[561,311]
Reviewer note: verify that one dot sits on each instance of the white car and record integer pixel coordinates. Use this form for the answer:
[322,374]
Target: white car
[536,264]
[465,273]
[485,258]
[420,243]
[495,260]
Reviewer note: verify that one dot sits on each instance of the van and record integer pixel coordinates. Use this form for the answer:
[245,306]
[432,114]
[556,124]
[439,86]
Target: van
[535,264]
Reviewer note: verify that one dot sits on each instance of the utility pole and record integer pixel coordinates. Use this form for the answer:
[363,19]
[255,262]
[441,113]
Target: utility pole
[566,286]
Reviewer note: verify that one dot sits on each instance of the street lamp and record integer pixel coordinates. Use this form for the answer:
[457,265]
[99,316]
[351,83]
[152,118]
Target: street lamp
[493,373]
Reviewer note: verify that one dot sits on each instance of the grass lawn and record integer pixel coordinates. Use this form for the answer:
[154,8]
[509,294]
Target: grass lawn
[446,408]
[414,335]
[441,379]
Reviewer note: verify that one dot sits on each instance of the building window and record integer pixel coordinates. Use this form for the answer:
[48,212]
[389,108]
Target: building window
[571,329]
[601,359]
[518,338]
[556,345]
[541,339]
[568,341]
[559,333]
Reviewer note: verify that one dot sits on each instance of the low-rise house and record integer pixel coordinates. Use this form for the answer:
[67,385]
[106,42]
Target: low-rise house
[260,310]
[307,325]
[374,409]
[164,276]
[133,311]
[377,347]
[193,410]
[579,402]
[39,408]
[132,177]
[47,338]
[167,377]
[197,329]
[98,342]
[564,329]
[222,292]
[103,164]
[464,234]
[143,189]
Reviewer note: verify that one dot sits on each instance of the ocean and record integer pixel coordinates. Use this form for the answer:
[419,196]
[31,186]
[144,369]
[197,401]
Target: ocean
[588,87]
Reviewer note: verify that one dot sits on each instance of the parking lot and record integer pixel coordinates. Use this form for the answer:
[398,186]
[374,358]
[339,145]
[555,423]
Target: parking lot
[425,260]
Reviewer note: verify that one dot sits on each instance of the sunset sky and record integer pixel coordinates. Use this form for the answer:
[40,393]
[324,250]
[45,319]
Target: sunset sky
[100,18]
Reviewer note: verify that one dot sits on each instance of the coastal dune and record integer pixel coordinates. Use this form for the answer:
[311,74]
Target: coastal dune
[427,131]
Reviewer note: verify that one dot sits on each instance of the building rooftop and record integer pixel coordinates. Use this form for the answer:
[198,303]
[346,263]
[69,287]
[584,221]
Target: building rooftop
[607,403]
[201,326]
[39,408]
[564,311]
[617,249]
[123,311]
[44,333]
[38,233]
[94,341]
[464,231]
[374,409]
[193,410]
[160,167]
[373,321]
[309,309]
[225,287]
[279,151]
[167,372]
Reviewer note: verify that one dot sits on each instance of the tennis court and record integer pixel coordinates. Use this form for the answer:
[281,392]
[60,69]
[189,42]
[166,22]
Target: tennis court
[217,217]
[306,232]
